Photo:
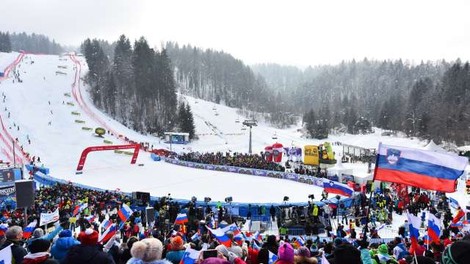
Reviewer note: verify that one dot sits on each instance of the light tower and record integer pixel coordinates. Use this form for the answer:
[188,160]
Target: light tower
[250,123]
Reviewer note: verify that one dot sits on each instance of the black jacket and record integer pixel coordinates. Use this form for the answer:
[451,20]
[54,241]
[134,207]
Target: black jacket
[17,250]
[87,254]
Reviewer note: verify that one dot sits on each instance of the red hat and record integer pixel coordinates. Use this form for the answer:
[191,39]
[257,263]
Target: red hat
[88,237]
[177,242]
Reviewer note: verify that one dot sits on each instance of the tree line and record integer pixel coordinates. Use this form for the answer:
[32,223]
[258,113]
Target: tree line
[136,86]
[35,43]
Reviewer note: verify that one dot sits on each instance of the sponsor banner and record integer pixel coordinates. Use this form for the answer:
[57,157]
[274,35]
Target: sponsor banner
[6,191]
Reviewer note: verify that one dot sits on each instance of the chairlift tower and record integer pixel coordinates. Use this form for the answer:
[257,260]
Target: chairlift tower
[250,123]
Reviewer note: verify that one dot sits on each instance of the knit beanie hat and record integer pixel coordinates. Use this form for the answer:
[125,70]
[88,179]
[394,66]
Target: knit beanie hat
[176,242]
[65,233]
[39,245]
[88,237]
[457,253]
[286,252]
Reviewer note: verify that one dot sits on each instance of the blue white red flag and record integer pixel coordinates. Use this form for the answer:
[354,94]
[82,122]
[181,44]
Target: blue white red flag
[196,236]
[419,168]
[106,223]
[79,207]
[220,235]
[414,224]
[453,203]
[181,219]
[90,218]
[272,257]
[6,255]
[434,228]
[125,212]
[28,230]
[232,228]
[190,256]
[108,233]
[337,188]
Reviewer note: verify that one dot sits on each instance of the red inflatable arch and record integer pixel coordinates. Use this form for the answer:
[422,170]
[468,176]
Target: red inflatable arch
[81,162]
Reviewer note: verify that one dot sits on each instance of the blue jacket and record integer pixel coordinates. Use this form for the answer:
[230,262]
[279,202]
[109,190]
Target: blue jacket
[61,247]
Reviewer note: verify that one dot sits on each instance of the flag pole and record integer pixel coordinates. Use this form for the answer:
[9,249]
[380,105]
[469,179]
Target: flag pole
[366,227]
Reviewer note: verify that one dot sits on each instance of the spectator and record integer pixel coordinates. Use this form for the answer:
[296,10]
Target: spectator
[39,253]
[14,236]
[303,256]
[457,253]
[285,254]
[88,251]
[176,252]
[63,244]
[148,251]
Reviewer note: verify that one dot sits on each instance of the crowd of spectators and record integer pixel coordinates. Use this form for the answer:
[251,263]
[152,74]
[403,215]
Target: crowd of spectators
[253,161]
[74,239]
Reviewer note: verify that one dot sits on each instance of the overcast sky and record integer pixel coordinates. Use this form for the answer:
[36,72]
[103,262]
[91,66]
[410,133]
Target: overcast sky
[295,32]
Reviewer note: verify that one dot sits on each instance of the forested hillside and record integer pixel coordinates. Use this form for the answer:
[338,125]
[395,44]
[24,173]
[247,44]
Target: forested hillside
[35,43]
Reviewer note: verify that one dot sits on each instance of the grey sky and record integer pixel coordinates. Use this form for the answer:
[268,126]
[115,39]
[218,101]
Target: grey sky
[295,32]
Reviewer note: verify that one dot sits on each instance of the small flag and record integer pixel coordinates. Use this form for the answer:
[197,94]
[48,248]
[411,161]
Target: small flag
[414,222]
[125,212]
[108,234]
[272,257]
[221,236]
[453,203]
[434,230]
[28,230]
[337,188]
[190,256]
[181,219]
[78,208]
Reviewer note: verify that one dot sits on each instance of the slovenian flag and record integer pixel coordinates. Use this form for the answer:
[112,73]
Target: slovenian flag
[414,223]
[78,208]
[125,212]
[220,236]
[453,203]
[272,257]
[108,233]
[106,223]
[419,168]
[190,256]
[434,230]
[196,236]
[337,188]
[232,228]
[181,219]
[28,230]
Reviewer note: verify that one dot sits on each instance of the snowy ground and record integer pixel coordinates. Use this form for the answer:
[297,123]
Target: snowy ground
[42,105]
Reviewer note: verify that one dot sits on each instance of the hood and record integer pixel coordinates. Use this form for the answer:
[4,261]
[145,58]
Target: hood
[65,243]
[33,258]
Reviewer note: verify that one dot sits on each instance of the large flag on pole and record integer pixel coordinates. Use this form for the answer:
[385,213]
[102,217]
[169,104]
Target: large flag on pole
[419,168]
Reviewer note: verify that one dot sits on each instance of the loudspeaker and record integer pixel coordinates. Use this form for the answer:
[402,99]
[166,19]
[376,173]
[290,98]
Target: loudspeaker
[141,198]
[150,215]
[24,193]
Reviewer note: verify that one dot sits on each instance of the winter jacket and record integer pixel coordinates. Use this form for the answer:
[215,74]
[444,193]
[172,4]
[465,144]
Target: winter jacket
[365,256]
[79,254]
[174,256]
[37,258]
[138,261]
[48,236]
[17,250]
[61,247]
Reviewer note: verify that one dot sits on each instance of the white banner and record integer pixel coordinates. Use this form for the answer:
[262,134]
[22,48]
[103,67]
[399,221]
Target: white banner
[5,255]
[47,218]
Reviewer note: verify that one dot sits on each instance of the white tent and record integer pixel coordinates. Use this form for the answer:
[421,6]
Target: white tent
[433,147]
[339,170]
